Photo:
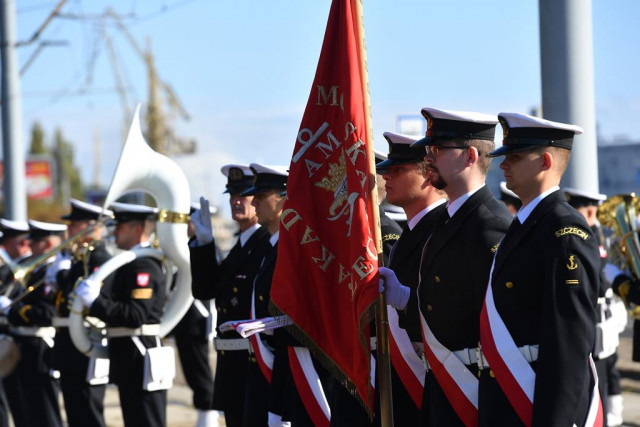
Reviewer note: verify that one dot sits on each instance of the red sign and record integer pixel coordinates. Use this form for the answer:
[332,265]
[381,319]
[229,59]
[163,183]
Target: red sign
[39,179]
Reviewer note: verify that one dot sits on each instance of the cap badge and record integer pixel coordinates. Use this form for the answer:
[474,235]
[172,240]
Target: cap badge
[235,174]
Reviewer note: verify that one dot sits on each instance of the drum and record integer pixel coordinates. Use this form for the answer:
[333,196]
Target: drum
[9,355]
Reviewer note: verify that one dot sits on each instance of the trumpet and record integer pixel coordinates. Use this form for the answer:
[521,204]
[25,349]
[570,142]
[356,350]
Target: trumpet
[21,272]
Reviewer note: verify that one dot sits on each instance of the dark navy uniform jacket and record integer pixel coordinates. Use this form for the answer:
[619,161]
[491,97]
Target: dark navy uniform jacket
[137,297]
[455,269]
[66,356]
[545,286]
[230,283]
[405,262]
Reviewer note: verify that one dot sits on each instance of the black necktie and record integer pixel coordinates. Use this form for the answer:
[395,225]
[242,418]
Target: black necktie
[515,225]
[511,231]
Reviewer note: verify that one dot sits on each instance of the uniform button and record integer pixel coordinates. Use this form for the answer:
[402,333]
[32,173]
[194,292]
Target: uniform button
[491,374]
[253,359]
[429,307]
[509,285]
[479,373]
[218,308]
[436,279]
[260,297]
[221,352]
[224,310]
[235,290]
[30,289]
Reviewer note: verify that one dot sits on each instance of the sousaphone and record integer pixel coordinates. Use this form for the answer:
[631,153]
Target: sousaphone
[142,169]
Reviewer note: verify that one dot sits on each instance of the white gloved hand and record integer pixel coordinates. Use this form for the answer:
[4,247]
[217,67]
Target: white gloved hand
[201,220]
[88,291]
[397,294]
[4,304]
[611,271]
[60,263]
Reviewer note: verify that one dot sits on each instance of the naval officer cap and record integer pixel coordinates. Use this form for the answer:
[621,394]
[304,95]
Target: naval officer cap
[400,151]
[11,228]
[83,211]
[239,178]
[39,230]
[125,212]
[268,178]
[578,198]
[522,133]
[447,125]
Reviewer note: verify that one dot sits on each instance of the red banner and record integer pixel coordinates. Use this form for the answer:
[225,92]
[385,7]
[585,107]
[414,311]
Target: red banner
[39,179]
[326,272]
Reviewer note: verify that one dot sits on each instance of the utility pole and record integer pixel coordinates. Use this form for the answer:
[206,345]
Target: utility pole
[15,193]
[566,57]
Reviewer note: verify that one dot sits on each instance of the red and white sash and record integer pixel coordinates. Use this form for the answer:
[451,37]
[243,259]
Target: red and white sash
[264,356]
[458,383]
[514,374]
[309,386]
[407,363]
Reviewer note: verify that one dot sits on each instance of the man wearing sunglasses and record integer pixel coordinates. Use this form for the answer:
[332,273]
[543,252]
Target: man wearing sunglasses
[455,263]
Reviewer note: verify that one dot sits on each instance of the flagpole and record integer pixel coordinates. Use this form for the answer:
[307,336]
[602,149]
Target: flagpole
[383,363]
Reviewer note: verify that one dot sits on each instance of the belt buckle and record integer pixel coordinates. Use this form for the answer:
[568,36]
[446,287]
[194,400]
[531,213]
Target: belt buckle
[479,356]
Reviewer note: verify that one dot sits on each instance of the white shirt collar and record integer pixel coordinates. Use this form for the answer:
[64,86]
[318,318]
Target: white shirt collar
[274,239]
[525,211]
[246,234]
[453,207]
[416,219]
[23,256]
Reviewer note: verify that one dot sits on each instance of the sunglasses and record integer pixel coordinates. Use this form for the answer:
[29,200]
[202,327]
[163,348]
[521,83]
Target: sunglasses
[434,149]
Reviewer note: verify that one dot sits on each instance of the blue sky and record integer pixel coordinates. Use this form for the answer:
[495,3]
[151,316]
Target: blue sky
[244,69]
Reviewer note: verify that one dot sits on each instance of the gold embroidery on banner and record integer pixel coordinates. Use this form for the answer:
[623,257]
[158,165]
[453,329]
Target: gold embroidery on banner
[572,230]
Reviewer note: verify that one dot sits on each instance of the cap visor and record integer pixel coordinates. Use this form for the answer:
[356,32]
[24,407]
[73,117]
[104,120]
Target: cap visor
[427,140]
[506,149]
[249,192]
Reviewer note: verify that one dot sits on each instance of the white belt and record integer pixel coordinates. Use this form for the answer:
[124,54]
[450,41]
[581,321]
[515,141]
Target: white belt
[231,344]
[144,330]
[34,331]
[374,343]
[60,322]
[470,356]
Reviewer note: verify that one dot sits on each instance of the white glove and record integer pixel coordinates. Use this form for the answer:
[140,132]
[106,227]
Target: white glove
[201,220]
[60,263]
[397,294]
[611,271]
[4,304]
[88,291]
